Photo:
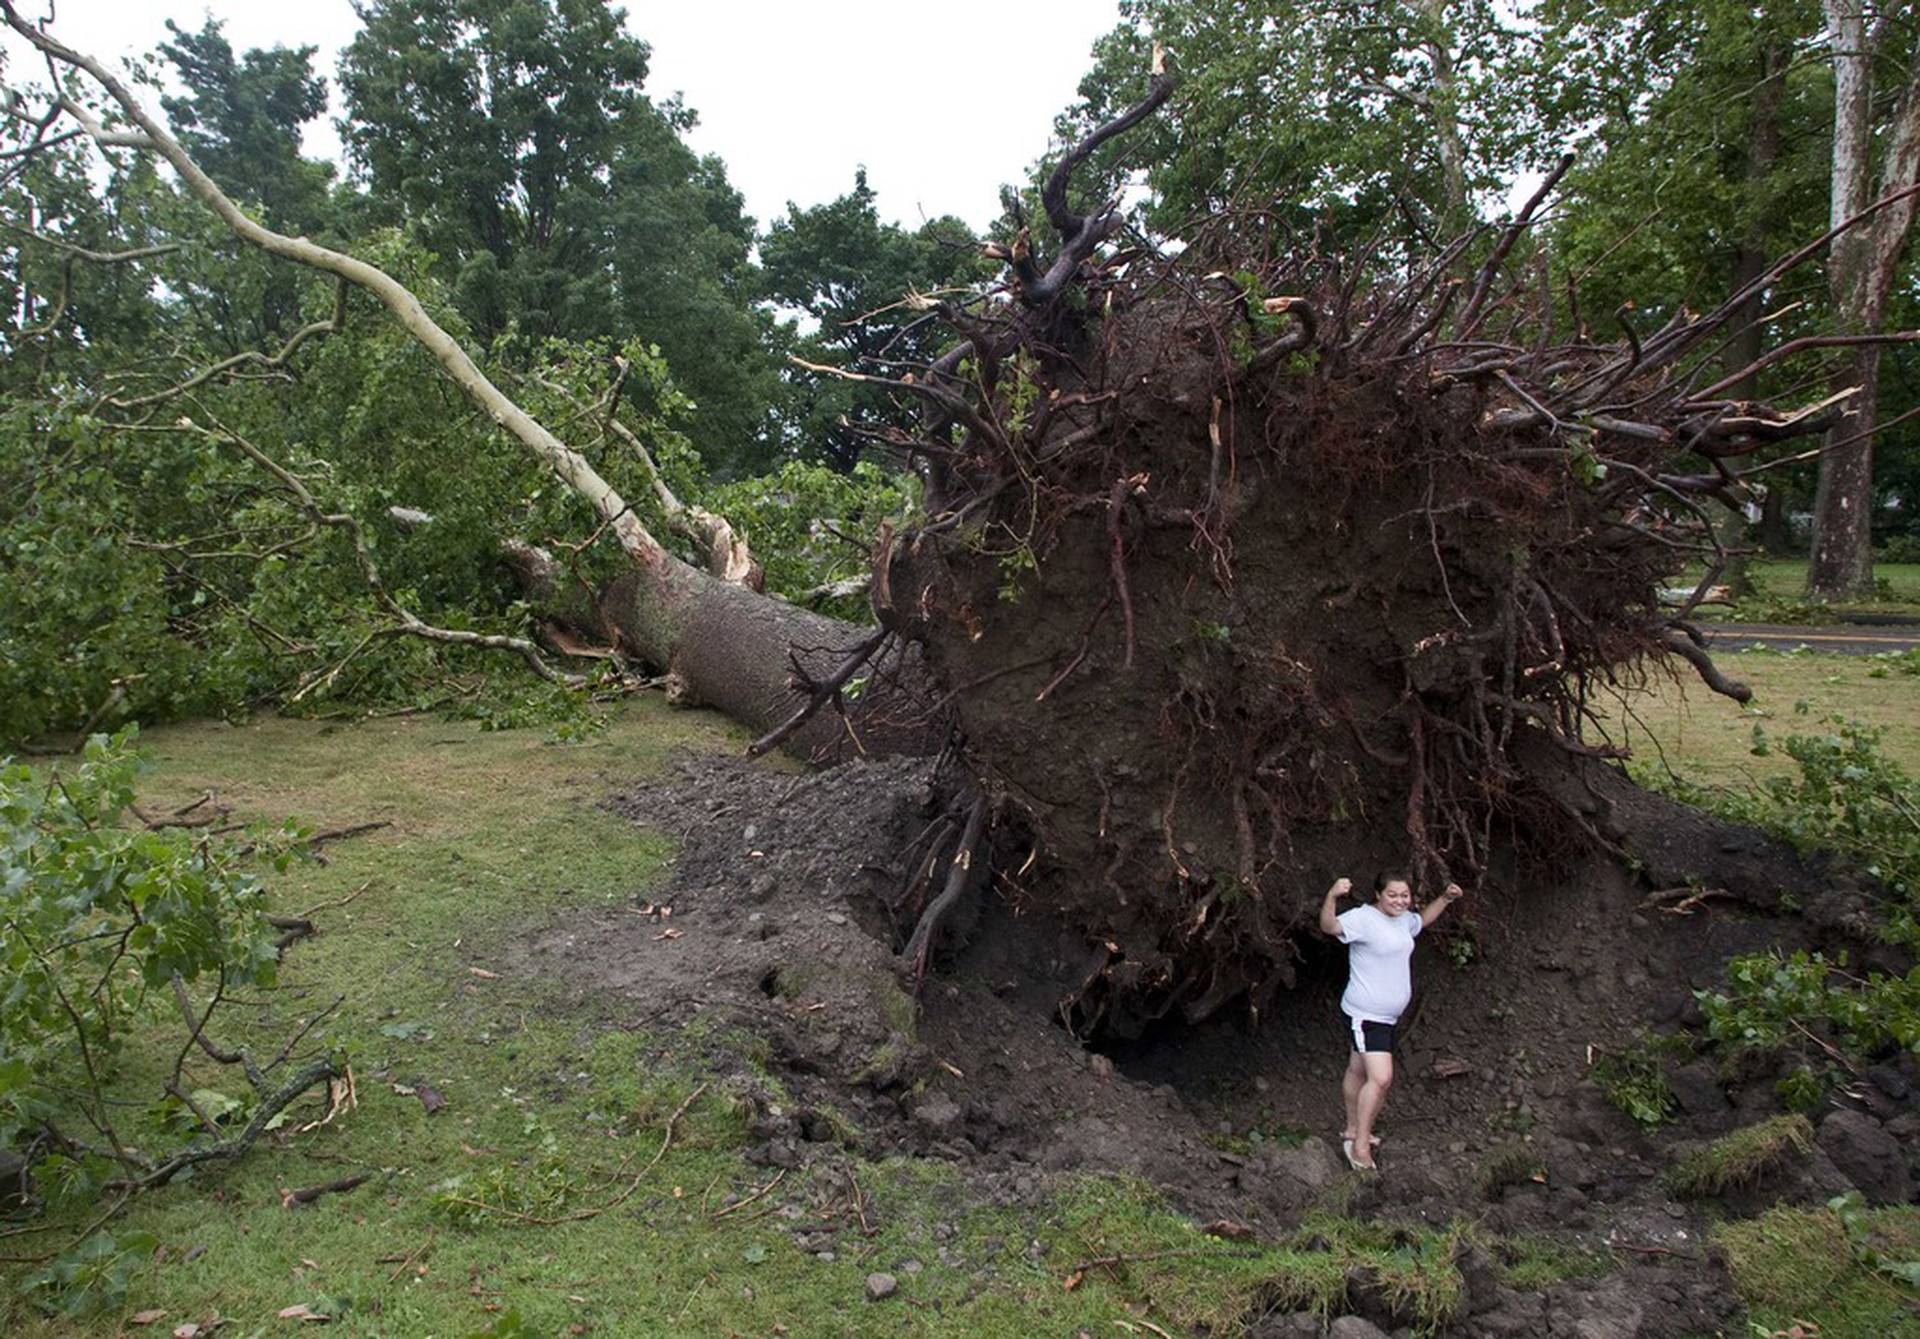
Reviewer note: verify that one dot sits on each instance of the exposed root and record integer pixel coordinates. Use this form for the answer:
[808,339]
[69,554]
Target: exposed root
[960,875]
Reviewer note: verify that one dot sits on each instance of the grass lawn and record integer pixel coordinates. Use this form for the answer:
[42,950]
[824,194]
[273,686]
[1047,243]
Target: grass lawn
[549,1114]
[1709,739]
[1786,578]
[1793,1265]
[1780,586]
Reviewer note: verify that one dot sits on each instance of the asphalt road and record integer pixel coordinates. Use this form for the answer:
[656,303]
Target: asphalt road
[1851,640]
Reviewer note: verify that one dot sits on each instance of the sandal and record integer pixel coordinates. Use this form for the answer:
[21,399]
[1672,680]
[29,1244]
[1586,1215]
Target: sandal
[1346,1147]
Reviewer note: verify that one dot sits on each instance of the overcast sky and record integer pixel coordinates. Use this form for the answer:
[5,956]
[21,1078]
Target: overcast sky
[941,104]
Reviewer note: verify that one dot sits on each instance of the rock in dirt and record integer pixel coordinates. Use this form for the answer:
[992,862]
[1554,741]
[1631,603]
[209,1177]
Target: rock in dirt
[1698,1090]
[1861,1147]
[881,1286]
[1480,1279]
[936,1113]
[1299,1325]
[1513,1315]
[1355,1327]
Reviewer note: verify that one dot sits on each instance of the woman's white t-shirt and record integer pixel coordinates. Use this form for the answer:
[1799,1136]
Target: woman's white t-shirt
[1379,957]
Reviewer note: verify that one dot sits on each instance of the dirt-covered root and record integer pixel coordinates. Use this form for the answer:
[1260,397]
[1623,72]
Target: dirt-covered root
[1234,594]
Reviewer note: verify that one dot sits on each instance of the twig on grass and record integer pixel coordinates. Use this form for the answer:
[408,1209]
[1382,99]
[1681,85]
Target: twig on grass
[860,1203]
[307,915]
[1079,1272]
[308,1194]
[761,1193]
[407,1260]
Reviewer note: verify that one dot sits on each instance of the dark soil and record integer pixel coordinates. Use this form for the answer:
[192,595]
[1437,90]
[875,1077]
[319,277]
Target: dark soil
[779,898]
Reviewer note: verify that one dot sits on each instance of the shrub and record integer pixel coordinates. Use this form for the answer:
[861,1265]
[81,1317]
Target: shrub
[109,925]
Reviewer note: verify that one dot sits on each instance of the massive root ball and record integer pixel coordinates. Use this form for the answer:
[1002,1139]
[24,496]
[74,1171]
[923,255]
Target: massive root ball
[1234,585]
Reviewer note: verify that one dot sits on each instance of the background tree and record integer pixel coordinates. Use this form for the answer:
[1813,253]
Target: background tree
[243,116]
[1701,158]
[1876,155]
[853,278]
[1394,122]
[515,135]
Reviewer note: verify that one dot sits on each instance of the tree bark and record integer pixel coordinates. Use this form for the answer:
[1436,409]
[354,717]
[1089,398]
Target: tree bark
[1444,105]
[1861,272]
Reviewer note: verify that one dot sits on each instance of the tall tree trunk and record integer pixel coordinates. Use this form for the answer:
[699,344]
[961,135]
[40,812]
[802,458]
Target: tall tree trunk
[1443,103]
[1861,271]
[1776,531]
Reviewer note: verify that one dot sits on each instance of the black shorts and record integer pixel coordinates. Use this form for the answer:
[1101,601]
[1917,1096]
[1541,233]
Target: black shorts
[1368,1035]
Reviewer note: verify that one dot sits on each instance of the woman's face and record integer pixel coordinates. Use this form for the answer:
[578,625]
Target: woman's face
[1395,899]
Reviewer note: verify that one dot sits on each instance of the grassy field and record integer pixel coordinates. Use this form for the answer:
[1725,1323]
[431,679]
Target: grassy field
[1786,579]
[550,1113]
[1780,586]
[1680,725]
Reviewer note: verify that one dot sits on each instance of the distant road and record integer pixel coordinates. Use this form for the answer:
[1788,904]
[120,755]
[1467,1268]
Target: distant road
[1852,640]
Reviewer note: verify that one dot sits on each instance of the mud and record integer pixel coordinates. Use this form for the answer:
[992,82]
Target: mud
[775,919]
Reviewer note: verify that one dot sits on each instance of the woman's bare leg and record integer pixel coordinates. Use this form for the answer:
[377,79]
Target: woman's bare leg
[1373,1095]
[1350,1085]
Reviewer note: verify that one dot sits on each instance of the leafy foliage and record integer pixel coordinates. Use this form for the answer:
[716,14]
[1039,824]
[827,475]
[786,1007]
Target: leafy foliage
[815,526]
[100,915]
[864,287]
[1300,109]
[559,199]
[1845,796]
[1635,1081]
[1768,994]
[106,919]
[1848,798]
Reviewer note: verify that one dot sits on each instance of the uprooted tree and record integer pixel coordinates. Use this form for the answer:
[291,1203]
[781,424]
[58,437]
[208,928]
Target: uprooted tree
[1240,568]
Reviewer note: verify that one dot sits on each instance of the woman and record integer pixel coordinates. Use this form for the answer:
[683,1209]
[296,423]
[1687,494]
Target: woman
[1379,940]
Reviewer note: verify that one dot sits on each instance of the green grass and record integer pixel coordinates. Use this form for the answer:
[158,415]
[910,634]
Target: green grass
[1678,723]
[1786,579]
[1532,1261]
[553,1110]
[1740,1158]
[1780,585]
[1799,1264]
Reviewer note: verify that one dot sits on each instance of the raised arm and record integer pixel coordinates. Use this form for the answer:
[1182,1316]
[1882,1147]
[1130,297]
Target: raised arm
[1431,912]
[1329,919]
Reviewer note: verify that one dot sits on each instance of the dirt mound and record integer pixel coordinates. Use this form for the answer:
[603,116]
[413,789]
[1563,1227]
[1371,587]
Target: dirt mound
[775,922]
